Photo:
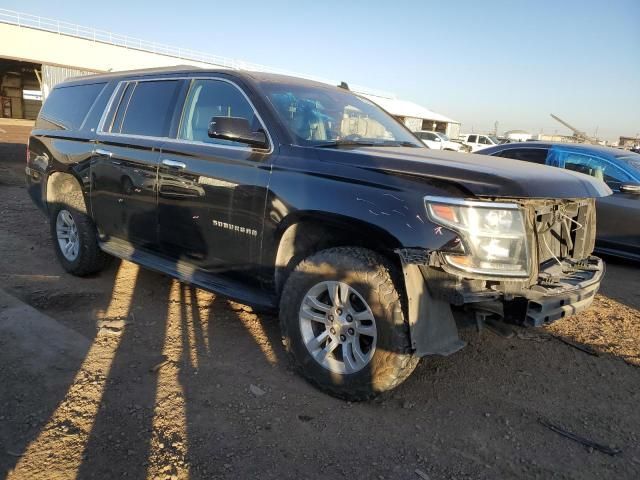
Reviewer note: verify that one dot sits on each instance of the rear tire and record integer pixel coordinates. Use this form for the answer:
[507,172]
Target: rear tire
[351,358]
[74,236]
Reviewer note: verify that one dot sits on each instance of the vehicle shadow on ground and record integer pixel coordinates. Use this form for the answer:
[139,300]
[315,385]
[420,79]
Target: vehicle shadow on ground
[170,393]
[164,407]
[164,371]
[51,371]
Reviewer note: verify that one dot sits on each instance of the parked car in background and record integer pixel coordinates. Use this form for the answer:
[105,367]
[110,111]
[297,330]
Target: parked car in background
[618,217]
[477,141]
[437,141]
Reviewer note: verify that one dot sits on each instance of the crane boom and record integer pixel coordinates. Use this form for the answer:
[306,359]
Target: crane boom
[578,134]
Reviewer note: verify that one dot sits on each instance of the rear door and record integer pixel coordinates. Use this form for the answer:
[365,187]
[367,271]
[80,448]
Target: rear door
[124,167]
[212,192]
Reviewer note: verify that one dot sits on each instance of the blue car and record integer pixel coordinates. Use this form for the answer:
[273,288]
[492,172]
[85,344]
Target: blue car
[618,215]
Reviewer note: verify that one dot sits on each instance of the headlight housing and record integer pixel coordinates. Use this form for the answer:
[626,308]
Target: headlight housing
[493,235]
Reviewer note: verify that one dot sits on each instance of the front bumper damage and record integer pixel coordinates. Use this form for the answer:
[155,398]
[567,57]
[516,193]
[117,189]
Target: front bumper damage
[561,289]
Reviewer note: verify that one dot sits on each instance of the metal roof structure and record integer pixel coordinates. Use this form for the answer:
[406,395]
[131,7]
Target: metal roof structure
[405,108]
[386,100]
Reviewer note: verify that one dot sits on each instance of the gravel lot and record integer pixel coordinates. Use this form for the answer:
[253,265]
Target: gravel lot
[131,374]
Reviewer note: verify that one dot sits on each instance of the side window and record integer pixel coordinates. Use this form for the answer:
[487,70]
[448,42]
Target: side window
[472,139]
[485,141]
[213,98]
[596,167]
[533,155]
[66,107]
[146,108]
[122,107]
[432,136]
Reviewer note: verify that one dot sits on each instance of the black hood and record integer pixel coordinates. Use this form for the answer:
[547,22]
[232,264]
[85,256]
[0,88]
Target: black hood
[479,174]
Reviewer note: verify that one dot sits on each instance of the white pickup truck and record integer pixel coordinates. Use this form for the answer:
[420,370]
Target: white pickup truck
[478,141]
[438,141]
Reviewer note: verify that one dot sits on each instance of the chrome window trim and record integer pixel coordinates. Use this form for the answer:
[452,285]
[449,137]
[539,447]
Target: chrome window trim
[126,107]
[107,109]
[471,203]
[123,83]
[217,145]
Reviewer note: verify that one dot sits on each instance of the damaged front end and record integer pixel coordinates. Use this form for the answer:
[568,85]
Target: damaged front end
[522,261]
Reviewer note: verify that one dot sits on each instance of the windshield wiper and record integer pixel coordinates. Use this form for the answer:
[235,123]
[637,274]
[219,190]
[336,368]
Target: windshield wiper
[345,143]
[351,143]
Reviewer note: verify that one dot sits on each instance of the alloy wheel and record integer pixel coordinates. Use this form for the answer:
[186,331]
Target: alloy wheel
[67,235]
[338,327]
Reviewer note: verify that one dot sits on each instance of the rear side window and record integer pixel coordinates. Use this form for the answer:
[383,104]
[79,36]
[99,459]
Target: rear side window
[596,167]
[146,108]
[533,155]
[472,139]
[67,107]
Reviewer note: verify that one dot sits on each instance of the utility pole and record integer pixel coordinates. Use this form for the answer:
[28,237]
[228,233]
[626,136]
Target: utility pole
[495,129]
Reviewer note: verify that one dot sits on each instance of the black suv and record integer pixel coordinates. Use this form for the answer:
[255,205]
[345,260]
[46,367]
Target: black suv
[295,195]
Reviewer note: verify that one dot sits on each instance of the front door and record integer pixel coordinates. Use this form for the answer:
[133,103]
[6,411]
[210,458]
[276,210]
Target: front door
[211,192]
[124,167]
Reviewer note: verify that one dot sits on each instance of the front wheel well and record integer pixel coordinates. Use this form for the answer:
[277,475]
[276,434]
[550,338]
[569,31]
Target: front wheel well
[310,235]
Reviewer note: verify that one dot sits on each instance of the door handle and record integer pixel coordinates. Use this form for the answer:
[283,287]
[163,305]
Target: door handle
[173,164]
[100,151]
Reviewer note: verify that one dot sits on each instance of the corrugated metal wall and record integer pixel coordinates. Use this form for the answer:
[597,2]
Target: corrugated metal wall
[51,76]
[453,130]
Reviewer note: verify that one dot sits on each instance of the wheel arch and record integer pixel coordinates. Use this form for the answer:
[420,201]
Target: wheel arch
[61,184]
[305,233]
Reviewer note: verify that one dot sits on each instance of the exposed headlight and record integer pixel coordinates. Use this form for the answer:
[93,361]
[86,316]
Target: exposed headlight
[492,234]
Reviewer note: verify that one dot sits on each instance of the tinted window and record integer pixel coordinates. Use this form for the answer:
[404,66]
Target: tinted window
[213,98]
[150,108]
[632,160]
[596,167]
[66,107]
[472,139]
[533,155]
[122,107]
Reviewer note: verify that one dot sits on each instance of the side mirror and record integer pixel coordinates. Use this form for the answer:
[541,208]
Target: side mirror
[236,129]
[630,188]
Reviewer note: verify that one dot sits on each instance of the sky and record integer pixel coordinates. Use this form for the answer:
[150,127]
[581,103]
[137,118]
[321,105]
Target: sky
[479,62]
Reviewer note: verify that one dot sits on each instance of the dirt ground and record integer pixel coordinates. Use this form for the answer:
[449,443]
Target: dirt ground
[129,374]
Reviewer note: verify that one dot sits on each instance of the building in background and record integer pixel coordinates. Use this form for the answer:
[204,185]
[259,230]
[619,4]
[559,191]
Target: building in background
[547,137]
[20,93]
[414,116]
[517,135]
[629,142]
[37,53]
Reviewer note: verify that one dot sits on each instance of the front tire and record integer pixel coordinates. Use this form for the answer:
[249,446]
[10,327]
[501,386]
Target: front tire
[74,236]
[342,322]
